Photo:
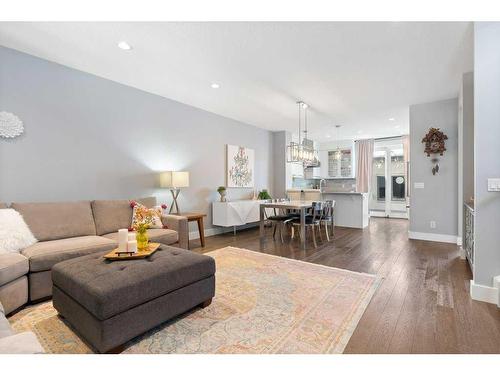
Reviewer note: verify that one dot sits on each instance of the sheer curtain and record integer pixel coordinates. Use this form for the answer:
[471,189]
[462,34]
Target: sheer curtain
[364,163]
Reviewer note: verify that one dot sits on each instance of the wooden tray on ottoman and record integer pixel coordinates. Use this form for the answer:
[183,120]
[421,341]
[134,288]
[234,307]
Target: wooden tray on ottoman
[141,253]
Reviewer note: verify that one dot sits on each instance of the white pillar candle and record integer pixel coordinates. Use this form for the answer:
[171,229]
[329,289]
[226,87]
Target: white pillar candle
[122,239]
[132,246]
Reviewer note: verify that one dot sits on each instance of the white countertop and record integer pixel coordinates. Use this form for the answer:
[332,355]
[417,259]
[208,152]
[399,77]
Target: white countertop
[305,189]
[324,192]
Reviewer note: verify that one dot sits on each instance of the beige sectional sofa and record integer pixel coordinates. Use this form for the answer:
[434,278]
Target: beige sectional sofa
[67,230]
[16,343]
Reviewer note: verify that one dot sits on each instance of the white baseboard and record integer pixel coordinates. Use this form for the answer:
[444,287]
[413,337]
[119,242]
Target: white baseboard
[461,251]
[435,237]
[484,293]
[496,284]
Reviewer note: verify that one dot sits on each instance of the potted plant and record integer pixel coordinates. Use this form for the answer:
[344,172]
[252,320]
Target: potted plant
[222,191]
[264,195]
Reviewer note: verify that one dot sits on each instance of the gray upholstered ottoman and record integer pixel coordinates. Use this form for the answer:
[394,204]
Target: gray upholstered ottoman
[109,303]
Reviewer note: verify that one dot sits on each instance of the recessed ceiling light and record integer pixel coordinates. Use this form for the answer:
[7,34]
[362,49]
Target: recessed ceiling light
[215,85]
[124,46]
[391,119]
[397,127]
[360,131]
[328,136]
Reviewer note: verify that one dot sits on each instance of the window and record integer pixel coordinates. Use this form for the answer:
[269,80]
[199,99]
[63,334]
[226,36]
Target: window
[398,188]
[381,188]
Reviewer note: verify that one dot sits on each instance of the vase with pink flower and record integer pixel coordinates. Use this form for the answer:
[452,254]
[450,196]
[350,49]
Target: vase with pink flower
[141,236]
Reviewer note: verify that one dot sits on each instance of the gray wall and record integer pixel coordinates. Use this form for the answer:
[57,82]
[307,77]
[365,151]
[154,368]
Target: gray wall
[91,138]
[487,144]
[438,201]
[465,147]
[282,169]
[468,133]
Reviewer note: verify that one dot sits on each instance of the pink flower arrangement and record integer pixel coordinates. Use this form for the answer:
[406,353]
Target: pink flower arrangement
[133,204]
[164,206]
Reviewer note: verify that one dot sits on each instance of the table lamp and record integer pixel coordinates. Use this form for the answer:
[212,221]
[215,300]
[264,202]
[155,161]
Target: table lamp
[174,181]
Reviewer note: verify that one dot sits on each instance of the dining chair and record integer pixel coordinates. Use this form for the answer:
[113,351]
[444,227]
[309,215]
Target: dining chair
[312,221]
[279,219]
[328,218]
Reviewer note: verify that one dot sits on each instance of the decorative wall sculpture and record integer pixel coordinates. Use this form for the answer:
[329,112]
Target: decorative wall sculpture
[11,126]
[435,144]
[240,166]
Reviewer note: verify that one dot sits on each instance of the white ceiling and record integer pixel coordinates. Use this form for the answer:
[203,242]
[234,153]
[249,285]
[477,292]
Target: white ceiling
[357,74]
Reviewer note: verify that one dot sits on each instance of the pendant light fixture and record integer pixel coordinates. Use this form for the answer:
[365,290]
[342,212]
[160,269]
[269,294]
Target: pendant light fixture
[303,152]
[338,152]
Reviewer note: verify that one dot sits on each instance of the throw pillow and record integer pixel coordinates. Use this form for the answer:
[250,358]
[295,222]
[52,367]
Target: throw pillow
[15,234]
[143,215]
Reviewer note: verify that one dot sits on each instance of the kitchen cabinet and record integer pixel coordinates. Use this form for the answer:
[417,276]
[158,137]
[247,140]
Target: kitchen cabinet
[297,170]
[335,168]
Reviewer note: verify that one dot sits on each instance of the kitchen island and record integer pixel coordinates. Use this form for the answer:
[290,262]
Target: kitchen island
[351,208]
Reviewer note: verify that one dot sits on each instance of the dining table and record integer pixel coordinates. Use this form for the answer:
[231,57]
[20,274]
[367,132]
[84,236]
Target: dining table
[300,206]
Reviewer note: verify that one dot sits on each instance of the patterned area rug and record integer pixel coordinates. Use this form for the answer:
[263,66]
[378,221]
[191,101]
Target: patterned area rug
[263,304]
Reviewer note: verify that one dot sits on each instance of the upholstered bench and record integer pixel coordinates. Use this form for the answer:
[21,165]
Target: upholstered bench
[110,302]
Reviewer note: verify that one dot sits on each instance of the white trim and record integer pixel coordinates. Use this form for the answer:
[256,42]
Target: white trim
[461,251]
[459,241]
[496,284]
[484,293]
[433,237]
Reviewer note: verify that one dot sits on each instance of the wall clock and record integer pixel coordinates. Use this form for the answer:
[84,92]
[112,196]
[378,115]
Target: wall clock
[11,126]
[434,144]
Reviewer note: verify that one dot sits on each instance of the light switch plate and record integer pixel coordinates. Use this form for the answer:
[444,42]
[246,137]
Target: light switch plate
[493,184]
[419,185]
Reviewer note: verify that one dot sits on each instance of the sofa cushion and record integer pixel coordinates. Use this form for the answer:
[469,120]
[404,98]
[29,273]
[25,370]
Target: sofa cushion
[141,215]
[111,215]
[12,266]
[56,220]
[15,234]
[43,255]
[107,288]
[21,343]
[163,236]
[5,329]
[14,294]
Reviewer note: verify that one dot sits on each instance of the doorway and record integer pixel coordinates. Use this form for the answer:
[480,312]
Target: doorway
[389,180]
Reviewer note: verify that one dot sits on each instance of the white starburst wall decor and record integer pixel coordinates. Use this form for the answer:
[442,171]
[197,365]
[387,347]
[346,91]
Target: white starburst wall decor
[11,126]
[240,166]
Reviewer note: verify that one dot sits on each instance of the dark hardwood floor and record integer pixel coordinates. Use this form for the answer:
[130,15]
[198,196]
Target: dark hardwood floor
[423,303]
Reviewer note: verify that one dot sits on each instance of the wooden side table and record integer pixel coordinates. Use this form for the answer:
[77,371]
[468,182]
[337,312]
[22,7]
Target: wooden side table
[198,217]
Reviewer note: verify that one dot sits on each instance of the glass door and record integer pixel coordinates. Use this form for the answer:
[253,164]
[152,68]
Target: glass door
[388,192]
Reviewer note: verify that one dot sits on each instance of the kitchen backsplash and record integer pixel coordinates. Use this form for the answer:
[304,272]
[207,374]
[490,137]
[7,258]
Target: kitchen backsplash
[345,184]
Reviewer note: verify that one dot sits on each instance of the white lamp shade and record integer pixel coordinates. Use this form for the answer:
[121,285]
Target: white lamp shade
[173,179]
